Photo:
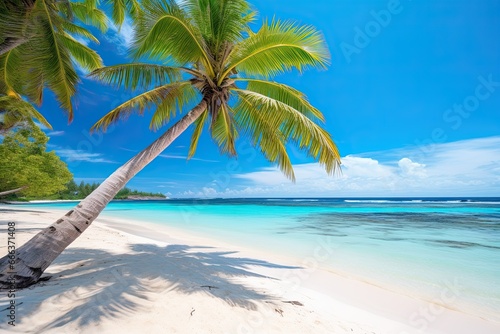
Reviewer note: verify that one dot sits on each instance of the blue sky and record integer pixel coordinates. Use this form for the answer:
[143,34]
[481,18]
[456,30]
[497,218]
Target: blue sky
[412,100]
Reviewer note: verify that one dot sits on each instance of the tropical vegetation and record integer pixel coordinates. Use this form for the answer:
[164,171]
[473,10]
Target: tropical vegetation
[43,45]
[26,165]
[71,191]
[201,58]
[83,189]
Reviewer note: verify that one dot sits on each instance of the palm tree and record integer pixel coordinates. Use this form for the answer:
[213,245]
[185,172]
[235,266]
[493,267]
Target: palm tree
[40,42]
[19,19]
[50,43]
[206,56]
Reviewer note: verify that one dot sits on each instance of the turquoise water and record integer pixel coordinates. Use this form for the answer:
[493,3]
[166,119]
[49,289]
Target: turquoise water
[445,250]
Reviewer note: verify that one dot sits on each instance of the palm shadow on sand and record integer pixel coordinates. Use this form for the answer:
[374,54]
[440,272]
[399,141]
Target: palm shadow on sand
[112,283]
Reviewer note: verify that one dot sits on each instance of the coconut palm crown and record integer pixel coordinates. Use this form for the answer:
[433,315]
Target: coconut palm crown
[205,56]
[205,52]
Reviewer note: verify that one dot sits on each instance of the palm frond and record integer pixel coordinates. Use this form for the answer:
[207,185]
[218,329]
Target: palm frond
[10,64]
[34,85]
[164,31]
[53,58]
[118,12]
[134,75]
[264,134]
[17,78]
[176,99]
[121,8]
[139,104]
[76,30]
[220,22]
[198,129]
[64,8]
[284,93]
[83,55]
[134,8]
[223,131]
[278,47]
[16,111]
[90,15]
[296,127]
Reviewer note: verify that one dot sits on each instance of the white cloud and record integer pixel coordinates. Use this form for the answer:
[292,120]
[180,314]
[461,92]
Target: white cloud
[410,168]
[78,155]
[464,168]
[127,149]
[41,126]
[122,37]
[55,133]
[169,156]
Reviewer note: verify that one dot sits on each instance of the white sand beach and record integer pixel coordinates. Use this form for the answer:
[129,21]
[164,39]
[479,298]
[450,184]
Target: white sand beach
[138,277]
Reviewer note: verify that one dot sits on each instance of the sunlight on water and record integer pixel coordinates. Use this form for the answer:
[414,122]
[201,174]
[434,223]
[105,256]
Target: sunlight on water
[414,246]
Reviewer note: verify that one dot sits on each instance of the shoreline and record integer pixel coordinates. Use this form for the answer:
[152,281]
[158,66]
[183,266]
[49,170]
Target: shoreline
[257,288]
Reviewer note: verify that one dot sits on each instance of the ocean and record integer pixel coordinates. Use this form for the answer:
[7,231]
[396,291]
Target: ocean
[442,249]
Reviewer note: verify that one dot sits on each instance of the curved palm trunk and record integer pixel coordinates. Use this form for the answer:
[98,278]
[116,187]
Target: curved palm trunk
[37,254]
[12,191]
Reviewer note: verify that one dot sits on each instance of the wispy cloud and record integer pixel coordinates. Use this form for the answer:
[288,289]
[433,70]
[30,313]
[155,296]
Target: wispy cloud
[41,126]
[464,168]
[72,155]
[169,156]
[127,149]
[121,37]
[55,133]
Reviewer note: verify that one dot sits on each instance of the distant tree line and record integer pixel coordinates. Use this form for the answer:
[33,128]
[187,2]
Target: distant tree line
[74,191]
[29,172]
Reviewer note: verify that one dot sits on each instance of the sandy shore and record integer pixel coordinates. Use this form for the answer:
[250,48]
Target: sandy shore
[137,277]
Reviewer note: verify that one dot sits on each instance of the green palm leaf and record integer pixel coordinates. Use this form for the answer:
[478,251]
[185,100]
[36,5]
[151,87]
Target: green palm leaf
[224,62]
[134,75]
[120,9]
[279,47]
[178,96]
[10,64]
[53,58]
[82,54]
[172,92]
[224,132]
[165,32]
[283,93]
[90,14]
[15,111]
[296,126]
[198,129]
[220,21]
[263,134]
[76,30]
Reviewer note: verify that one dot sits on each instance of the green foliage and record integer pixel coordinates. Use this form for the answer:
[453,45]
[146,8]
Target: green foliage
[75,192]
[49,55]
[42,42]
[230,67]
[126,193]
[16,112]
[25,162]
